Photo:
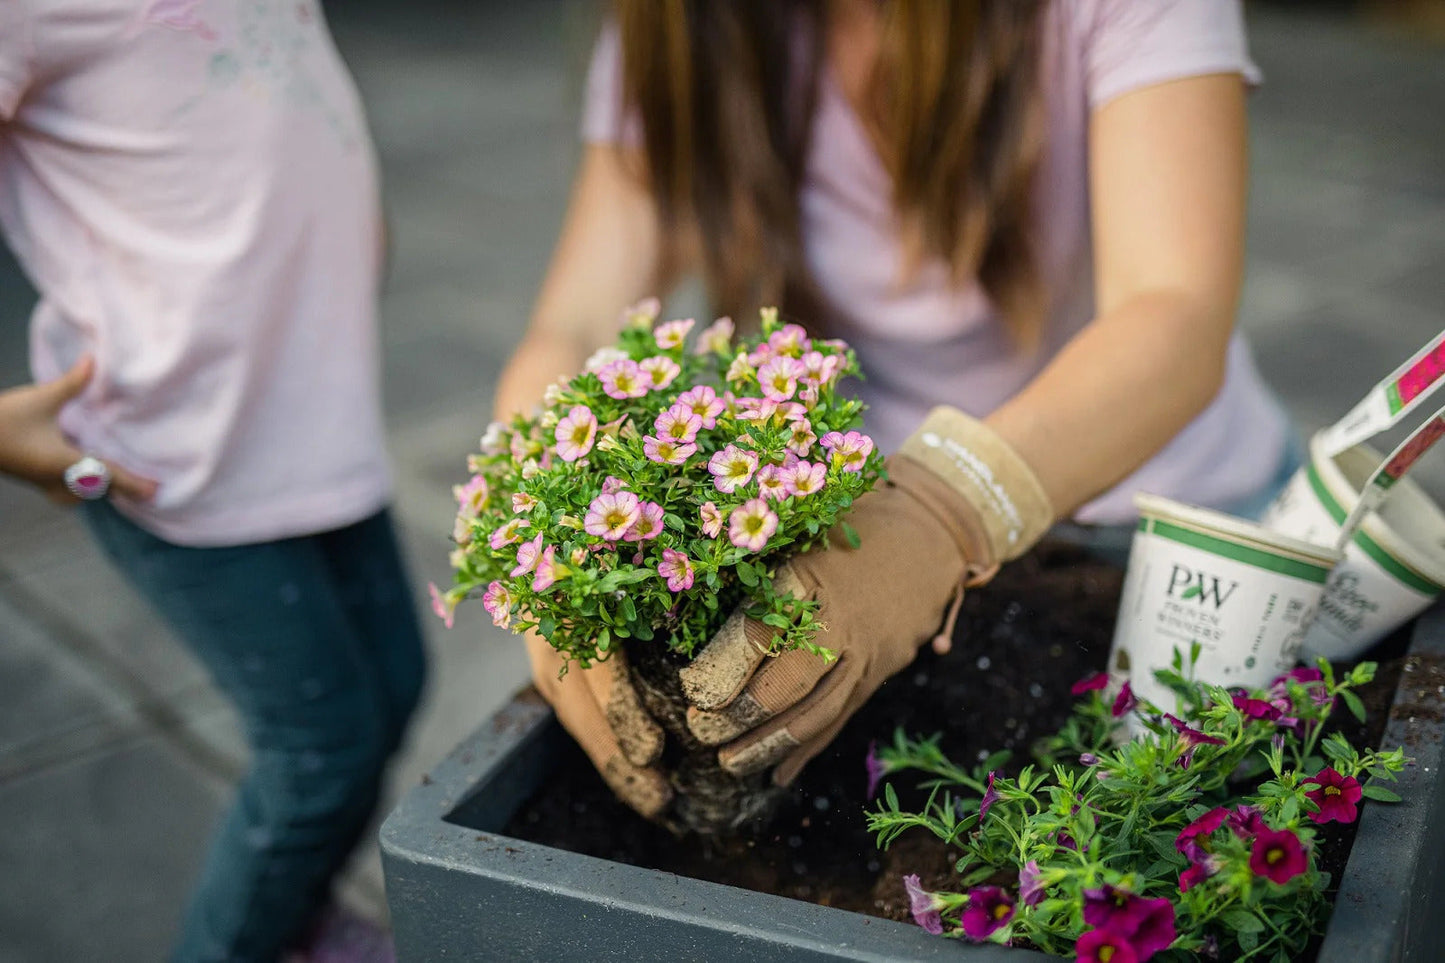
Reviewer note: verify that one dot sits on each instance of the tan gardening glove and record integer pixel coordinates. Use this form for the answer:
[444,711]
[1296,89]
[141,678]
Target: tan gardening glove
[958,501]
[602,711]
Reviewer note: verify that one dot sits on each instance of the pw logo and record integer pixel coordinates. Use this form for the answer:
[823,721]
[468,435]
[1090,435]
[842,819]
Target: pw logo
[1185,584]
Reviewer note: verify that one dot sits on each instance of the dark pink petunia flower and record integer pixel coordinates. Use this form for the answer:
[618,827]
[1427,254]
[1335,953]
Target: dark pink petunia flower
[989,909]
[923,906]
[1198,871]
[1191,739]
[1187,842]
[989,797]
[876,767]
[1148,924]
[1090,683]
[1277,855]
[1257,708]
[1124,702]
[1245,821]
[1031,886]
[1338,796]
[1104,946]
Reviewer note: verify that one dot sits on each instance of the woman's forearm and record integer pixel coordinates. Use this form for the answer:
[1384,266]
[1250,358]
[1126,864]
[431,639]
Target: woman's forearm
[539,361]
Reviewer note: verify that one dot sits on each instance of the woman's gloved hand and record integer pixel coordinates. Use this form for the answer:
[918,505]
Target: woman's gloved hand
[602,711]
[957,502]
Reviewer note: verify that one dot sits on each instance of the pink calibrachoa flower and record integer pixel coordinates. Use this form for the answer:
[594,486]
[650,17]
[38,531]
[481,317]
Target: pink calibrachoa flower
[575,433]
[751,525]
[658,372]
[472,497]
[703,402]
[731,468]
[990,797]
[444,606]
[1124,702]
[610,516]
[850,451]
[643,313]
[523,502]
[1148,924]
[1031,884]
[990,908]
[791,340]
[1187,842]
[819,368]
[494,440]
[623,379]
[678,423]
[712,519]
[779,376]
[1104,946]
[808,394]
[875,767]
[773,483]
[805,477]
[548,571]
[527,554]
[740,369]
[648,525]
[1090,683]
[923,905]
[1277,855]
[672,334]
[524,448]
[1337,795]
[756,409]
[666,451]
[508,533]
[800,438]
[612,484]
[498,603]
[717,337]
[677,569]
[603,357]
[462,528]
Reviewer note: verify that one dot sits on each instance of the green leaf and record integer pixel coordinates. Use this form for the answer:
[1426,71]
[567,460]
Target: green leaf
[746,574]
[1380,793]
[1242,922]
[1191,592]
[547,625]
[850,534]
[673,522]
[1356,707]
[604,639]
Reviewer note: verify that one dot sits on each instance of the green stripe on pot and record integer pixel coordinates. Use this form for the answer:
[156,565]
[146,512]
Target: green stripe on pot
[1240,553]
[1398,570]
[1392,398]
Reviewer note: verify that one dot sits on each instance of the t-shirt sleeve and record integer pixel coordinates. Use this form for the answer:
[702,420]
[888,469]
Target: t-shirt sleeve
[1138,43]
[605,117]
[17,55]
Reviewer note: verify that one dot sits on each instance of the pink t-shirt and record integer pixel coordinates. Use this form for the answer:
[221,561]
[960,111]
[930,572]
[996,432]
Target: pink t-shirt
[192,188]
[929,342]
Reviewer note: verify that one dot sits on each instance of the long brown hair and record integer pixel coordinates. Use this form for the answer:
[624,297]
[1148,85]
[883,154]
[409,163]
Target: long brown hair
[726,90]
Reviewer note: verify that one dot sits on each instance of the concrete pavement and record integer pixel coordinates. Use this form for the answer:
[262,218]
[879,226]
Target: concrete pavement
[115,752]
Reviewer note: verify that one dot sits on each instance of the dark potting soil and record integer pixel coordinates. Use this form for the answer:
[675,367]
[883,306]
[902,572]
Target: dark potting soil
[1044,623]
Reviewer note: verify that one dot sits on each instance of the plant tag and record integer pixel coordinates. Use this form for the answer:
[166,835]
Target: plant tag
[1403,390]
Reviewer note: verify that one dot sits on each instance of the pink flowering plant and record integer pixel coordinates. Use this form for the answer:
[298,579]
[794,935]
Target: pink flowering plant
[660,487]
[1195,840]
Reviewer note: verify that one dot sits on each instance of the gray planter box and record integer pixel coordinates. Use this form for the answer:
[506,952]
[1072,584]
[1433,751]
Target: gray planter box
[460,891]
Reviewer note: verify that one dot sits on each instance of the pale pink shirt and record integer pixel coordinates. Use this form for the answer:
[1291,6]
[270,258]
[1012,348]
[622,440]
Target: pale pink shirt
[192,188]
[929,342]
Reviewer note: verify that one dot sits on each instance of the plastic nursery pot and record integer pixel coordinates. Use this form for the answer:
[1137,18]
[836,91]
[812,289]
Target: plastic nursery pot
[460,891]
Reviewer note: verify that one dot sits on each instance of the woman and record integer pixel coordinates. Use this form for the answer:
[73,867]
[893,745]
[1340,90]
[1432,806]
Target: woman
[1025,212]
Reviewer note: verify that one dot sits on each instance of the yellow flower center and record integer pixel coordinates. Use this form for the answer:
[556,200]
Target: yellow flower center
[1274,855]
[580,433]
[1106,953]
[1332,790]
[1000,911]
[753,524]
[616,518]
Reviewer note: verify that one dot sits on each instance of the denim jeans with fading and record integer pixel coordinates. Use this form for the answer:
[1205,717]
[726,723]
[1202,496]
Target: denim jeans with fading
[315,641]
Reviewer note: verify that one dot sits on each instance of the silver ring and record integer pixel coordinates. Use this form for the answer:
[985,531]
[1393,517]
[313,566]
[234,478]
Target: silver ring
[88,478]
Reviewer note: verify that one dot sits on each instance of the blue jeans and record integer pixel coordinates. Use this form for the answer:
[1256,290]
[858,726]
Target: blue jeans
[315,640]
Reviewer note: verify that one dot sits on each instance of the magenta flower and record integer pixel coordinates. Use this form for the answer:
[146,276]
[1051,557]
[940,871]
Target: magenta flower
[623,379]
[610,516]
[773,483]
[805,478]
[751,524]
[508,533]
[527,555]
[1199,870]
[1338,796]
[731,468]
[575,433]
[677,569]
[1187,842]
[779,376]
[1311,679]
[791,340]
[1124,702]
[665,451]
[498,603]
[990,796]
[1245,821]
[522,502]
[1190,739]
[444,606]
[716,338]
[989,910]
[658,371]
[1256,708]
[876,768]
[1277,855]
[648,524]
[712,519]
[1104,946]
[673,333]
[923,905]
[850,451]
[800,437]
[1031,884]
[703,402]
[1090,683]
[471,497]
[678,423]
[1148,924]
[548,571]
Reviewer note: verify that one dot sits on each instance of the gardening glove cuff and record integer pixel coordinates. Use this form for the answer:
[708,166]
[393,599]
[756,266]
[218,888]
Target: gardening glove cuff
[983,470]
